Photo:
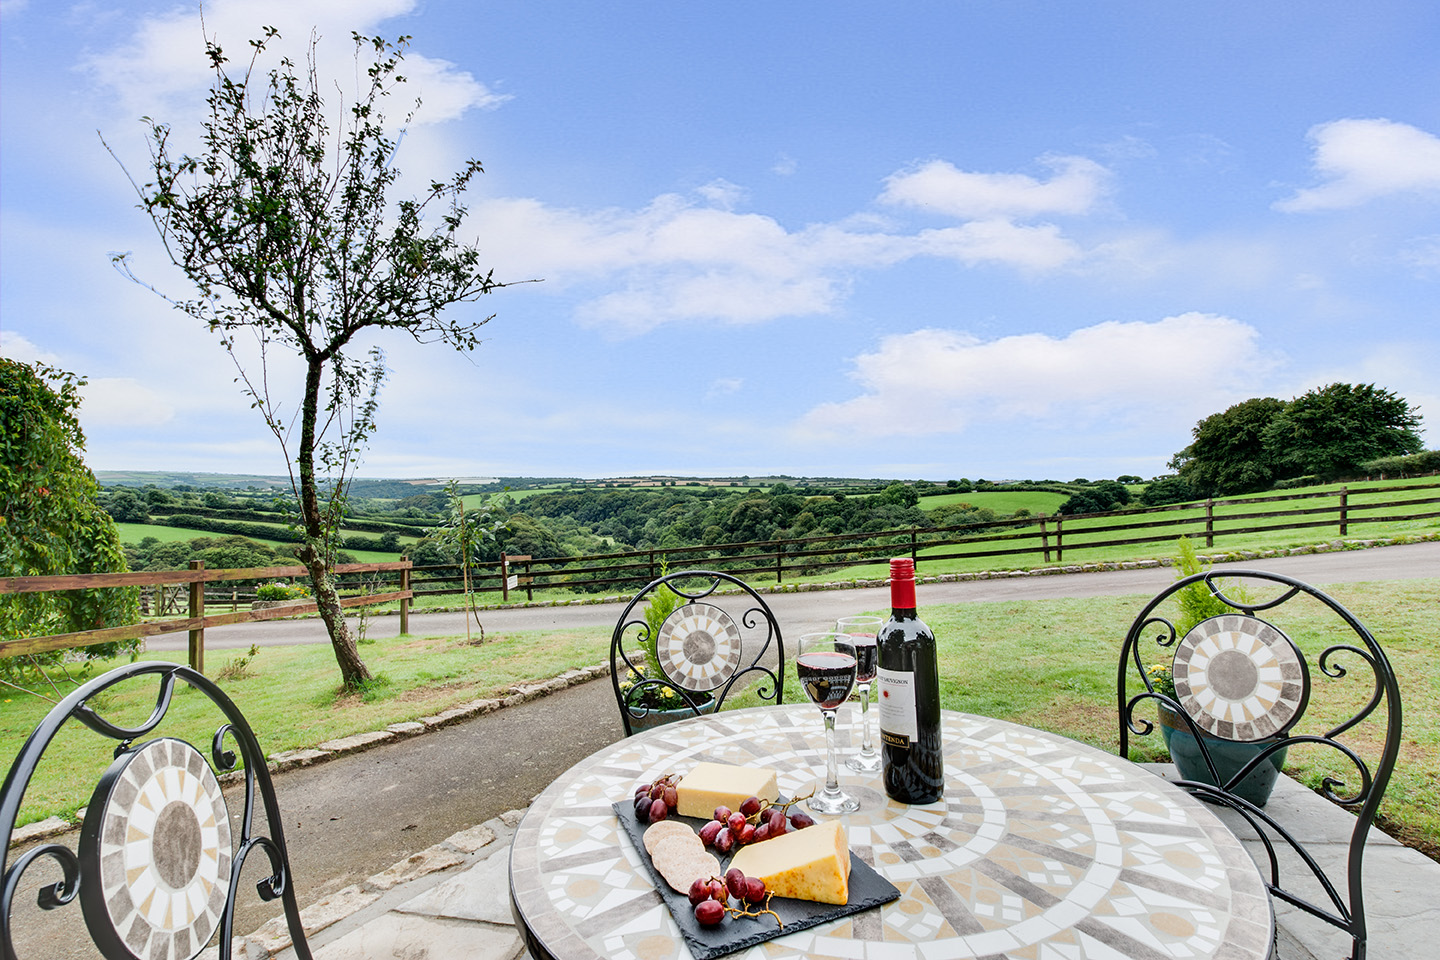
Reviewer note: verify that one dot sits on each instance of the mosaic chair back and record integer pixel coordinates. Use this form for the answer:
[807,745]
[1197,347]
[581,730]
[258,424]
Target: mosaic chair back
[687,641]
[156,868]
[1235,693]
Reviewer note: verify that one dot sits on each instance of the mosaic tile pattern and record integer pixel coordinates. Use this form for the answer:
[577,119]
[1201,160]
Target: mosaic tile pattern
[164,852]
[1240,678]
[1042,848]
[699,647]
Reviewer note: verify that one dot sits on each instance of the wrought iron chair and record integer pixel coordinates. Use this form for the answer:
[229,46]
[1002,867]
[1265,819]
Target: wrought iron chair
[1238,679]
[700,651]
[156,871]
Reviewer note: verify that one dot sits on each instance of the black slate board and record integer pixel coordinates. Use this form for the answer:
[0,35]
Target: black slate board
[867,889]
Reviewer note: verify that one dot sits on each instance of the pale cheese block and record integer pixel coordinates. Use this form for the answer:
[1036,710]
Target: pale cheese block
[711,784]
[808,864]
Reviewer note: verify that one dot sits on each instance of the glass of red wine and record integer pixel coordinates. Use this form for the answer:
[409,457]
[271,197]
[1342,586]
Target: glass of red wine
[826,668]
[862,631]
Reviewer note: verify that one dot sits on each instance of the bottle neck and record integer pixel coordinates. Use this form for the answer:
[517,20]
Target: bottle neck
[902,595]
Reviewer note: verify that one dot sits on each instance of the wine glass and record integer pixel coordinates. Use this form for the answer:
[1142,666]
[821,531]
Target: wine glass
[863,631]
[826,668]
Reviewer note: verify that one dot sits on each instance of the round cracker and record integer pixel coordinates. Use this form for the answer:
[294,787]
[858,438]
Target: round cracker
[682,869]
[665,828]
[676,846]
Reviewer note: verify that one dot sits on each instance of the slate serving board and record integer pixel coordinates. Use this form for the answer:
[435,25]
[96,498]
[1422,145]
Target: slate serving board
[867,889]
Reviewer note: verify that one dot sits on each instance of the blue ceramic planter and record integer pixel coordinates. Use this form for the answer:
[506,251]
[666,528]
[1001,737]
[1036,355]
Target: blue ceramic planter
[1229,757]
[656,718]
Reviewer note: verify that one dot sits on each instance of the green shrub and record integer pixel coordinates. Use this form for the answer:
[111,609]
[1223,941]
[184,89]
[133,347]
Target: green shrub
[1197,603]
[280,591]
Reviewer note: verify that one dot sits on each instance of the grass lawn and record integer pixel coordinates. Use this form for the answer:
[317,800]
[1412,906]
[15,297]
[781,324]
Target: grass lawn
[1049,664]
[135,532]
[1003,502]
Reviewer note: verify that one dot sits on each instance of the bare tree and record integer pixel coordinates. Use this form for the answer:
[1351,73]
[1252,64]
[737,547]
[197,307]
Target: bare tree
[290,238]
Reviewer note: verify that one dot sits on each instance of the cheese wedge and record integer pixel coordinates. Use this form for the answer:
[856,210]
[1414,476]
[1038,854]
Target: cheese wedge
[711,784]
[808,864]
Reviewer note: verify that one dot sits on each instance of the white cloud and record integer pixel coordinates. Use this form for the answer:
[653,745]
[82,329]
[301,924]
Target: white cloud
[941,187]
[123,402]
[17,347]
[944,381]
[1363,160]
[162,71]
[785,165]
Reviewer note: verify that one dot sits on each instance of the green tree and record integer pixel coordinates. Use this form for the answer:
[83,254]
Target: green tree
[1332,430]
[1229,453]
[288,234]
[53,523]
[465,534]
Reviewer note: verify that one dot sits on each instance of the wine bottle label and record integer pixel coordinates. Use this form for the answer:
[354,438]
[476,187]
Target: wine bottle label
[898,724]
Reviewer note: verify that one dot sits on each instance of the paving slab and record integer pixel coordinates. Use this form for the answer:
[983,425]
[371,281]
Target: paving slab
[412,937]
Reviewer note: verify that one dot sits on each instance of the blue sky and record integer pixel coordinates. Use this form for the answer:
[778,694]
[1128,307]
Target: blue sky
[923,240]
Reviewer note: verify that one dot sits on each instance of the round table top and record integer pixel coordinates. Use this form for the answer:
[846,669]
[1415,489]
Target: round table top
[1041,848]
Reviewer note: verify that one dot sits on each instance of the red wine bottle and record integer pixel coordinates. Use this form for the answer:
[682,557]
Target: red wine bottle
[910,747]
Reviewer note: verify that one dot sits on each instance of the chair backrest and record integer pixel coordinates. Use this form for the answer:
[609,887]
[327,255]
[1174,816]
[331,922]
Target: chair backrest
[156,867]
[693,658]
[1240,679]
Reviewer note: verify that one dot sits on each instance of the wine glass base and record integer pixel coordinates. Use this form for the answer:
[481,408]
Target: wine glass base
[864,764]
[832,805]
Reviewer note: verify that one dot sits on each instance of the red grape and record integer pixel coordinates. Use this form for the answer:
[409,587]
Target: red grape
[709,832]
[735,882]
[747,833]
[754,889]
[736,822]
[762,833]
[709,913]
[658,811]
[671,798]
[657,791]
[799,819]
[718,891]
[722,813]
[642,809]
[751,806]
[699,890]
[724,840]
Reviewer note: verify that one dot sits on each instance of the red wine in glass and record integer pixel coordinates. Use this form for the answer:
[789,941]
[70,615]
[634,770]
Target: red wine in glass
[827,676]
[867,657]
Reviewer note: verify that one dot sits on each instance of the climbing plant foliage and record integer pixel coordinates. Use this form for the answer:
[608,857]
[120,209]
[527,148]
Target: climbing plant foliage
[52,523]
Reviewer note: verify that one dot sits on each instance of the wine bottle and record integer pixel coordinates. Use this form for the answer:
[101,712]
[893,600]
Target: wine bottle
[910,747]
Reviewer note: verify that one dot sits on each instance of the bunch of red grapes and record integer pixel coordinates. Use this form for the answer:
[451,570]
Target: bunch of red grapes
[756,820]
[711,897]
[656,800]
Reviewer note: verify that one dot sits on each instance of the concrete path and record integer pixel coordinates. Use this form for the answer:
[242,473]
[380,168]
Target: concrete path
[451,902]
[819,608]
[351,817]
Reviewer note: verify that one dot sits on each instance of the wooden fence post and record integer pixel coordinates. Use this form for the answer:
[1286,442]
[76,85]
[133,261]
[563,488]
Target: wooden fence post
[779,562]
[197,611]
[504,579]
[1344,511]
[1044,539]
[1209,523]
[1059,544]
[405,602]
[914,550]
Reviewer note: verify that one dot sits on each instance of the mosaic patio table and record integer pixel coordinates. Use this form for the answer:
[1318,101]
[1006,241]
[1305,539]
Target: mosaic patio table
[1041,848]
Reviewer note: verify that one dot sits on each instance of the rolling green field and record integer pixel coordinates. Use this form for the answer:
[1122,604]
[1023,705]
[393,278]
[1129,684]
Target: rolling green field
[135,532]
[1003,502]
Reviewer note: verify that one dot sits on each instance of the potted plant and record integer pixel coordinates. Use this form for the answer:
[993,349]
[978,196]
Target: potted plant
[1198,604]
[664,703]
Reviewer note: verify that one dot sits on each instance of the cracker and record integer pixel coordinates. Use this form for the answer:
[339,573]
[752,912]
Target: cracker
[665,828]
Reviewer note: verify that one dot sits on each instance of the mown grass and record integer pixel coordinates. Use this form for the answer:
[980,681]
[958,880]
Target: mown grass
[1051,664]
[135,532]
[1003,502]
[292,699]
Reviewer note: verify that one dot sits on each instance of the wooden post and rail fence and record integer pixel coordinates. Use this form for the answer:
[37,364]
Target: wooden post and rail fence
[1047,538]
[196,623]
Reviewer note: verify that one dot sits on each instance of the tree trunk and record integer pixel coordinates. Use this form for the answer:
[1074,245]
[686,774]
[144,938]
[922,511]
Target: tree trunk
[315,553]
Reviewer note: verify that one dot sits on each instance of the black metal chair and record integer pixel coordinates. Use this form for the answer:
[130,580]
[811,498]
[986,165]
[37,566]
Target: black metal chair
[701,650]
[1239,680]
[157,871]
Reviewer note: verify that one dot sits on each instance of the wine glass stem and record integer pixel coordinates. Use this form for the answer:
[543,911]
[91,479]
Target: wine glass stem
[865,746]
[832,776]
